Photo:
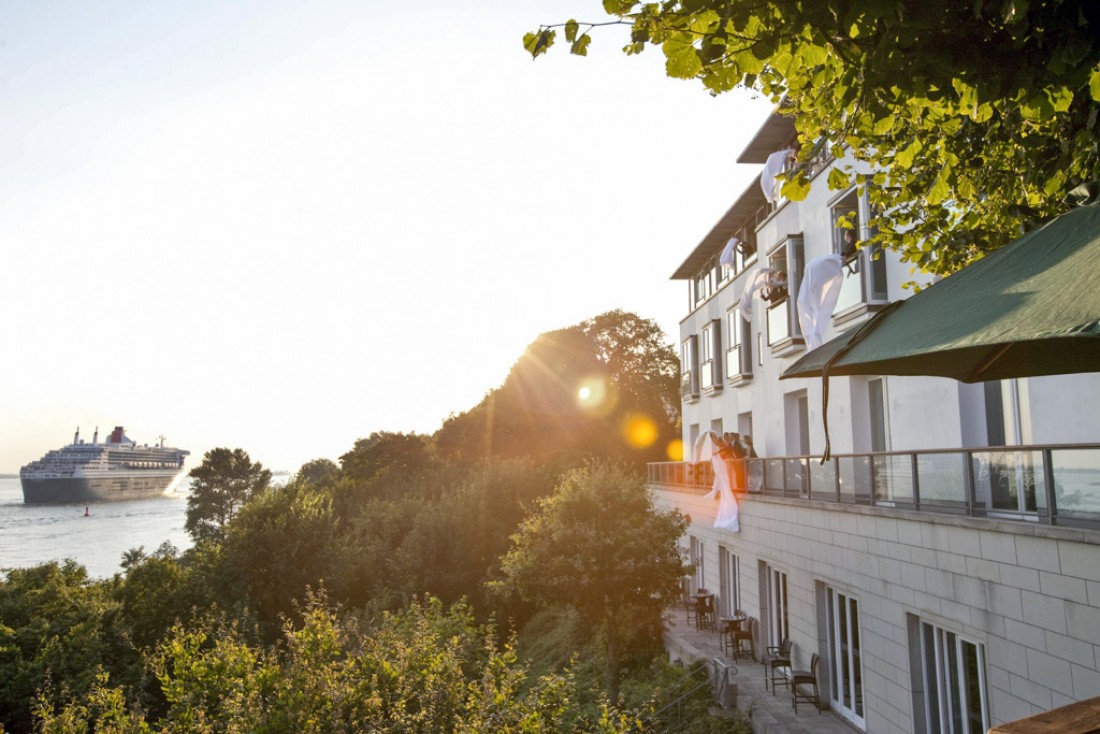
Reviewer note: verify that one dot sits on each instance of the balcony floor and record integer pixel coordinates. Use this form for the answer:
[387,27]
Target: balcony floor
[770,713]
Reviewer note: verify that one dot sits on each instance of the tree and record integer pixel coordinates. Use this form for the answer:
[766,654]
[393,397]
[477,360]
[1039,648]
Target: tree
[605,387]
[970,119]
[384,452]
[52,632]
[319,471]
[599,545]
[225,480]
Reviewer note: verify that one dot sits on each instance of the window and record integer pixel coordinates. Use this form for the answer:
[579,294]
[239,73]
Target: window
[729,581]
[949,683]
[739,355]
[782,292]
[689,380]
[710,364]
[845,655]
[796,418]
[699,580]
[864,267]
[746,250]
[778,624]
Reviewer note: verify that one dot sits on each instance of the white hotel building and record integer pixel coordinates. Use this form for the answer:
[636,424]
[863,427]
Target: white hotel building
[945,564]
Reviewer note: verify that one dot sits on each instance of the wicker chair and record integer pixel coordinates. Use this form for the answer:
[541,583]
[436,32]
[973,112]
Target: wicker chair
[777,662]
[804,685]
[747,633]
[705,617]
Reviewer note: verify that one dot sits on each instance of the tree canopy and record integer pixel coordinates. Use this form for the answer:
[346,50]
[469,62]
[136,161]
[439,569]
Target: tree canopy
[967,120]
[599,545]
[224,481]
[604,387]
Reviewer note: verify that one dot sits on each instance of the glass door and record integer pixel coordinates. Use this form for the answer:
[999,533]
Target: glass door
[846,658]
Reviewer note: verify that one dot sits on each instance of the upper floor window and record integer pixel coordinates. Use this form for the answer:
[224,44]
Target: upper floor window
[689,369]
[782,291]
[864,266]
[739,354]
[710,363]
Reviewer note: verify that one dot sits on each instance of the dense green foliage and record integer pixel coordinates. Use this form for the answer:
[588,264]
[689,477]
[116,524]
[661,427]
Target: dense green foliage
[599,545]
[356,598]
[969,119]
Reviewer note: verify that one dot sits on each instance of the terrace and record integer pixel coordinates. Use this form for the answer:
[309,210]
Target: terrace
[1051,484]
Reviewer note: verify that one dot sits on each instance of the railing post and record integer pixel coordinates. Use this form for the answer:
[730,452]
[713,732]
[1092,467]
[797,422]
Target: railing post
[916,480]
[968,482]
[1048,483]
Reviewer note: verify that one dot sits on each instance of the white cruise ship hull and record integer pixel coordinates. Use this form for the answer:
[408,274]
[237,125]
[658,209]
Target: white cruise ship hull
[98,489]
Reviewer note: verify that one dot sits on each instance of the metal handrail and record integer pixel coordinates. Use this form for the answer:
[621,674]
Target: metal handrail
[1056,484]
[718,683]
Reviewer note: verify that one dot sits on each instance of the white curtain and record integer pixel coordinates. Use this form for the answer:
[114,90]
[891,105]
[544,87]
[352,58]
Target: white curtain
[817,297]
[727,503]
[758,281]
[727,256]
[774,166]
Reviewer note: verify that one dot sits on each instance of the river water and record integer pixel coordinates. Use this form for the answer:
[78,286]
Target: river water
[33,534]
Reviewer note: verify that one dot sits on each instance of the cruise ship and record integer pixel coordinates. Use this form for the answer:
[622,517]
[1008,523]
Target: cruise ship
[118,469]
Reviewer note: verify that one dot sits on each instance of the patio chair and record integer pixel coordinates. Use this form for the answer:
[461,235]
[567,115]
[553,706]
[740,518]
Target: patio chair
[704,612]
[688,602]
[747,633]
[777,663]
[804,685]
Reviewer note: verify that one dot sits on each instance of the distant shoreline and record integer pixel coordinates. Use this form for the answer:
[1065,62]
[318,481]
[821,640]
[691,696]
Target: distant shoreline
[9,476]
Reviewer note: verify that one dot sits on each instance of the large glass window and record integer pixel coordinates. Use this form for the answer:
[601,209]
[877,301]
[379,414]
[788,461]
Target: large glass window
[778,622]
[739,354]
[729,581]
[710,364]
[781,292]
[845,655]
[689,371]
[864,266]
[699,579]
[952,679]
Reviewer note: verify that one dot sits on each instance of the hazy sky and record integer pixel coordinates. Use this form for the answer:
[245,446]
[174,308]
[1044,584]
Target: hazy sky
[281,226]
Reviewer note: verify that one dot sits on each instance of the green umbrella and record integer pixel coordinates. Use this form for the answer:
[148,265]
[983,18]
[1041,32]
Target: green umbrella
[1030,308]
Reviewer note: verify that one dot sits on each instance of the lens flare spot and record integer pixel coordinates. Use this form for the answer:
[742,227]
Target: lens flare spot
[675,450]
[592,394]
[640,431]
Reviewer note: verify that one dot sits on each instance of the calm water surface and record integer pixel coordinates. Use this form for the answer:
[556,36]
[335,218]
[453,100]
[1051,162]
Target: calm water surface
[33,534]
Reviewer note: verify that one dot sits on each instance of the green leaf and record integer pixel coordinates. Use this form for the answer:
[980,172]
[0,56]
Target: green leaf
[1094,84]
[1014,11]
[813,54]
[538,43]
[941,189]
[1060,98]
[580,46]
[908,154]
[838,179]
[797,188]
[681,58]
[571,28]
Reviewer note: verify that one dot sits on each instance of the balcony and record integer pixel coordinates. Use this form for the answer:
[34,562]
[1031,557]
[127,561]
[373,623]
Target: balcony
[1054,485]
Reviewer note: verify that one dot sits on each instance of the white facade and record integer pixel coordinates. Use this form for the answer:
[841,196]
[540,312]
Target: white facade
[960,605]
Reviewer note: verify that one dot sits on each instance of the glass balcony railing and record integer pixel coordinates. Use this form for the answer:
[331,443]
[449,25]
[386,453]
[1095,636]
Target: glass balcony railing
[1058,485]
